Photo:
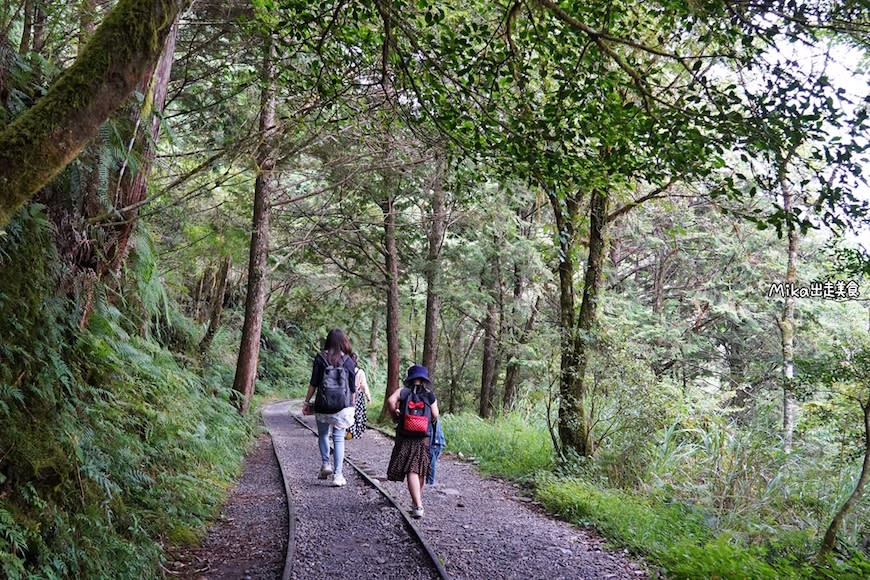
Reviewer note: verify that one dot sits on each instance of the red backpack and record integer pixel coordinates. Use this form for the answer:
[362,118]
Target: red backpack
[416,412]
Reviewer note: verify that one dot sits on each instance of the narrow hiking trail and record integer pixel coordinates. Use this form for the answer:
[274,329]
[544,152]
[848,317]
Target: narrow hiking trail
[478,527]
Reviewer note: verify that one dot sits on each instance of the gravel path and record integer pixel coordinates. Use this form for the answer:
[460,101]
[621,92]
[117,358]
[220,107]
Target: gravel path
[479,527]
[485,528]
[346,532]
[249,538]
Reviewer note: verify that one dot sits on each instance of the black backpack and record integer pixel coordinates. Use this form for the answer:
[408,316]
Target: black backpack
[416,415]
[334,392]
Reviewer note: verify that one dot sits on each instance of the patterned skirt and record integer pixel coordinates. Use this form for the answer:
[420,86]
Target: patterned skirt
[360,418]
[409,456]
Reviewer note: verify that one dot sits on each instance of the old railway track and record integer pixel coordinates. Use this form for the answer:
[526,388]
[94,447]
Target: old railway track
[342,532]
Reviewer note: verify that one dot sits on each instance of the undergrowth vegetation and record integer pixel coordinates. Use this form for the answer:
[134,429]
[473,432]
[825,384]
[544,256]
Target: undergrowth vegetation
[285,362]
[112,445]
[507,447]
[714,502]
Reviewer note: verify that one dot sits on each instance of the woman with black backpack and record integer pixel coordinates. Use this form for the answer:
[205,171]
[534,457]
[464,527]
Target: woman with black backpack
[333,367]
[415,406]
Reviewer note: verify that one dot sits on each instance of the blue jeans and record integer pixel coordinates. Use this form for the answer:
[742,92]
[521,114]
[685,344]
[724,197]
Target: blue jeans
[337,445]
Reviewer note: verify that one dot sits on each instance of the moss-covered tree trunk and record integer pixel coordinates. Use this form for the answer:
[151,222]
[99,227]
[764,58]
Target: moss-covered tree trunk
[216,308]
[576,340]
[87,26]
[133,189]
[566,212]
[579,438]
[43,140]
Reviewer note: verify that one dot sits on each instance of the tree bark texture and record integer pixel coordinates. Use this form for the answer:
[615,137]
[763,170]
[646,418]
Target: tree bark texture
[43,140]
[391,260]
[27,27]
[87,10]
[566,217]
[33,39]
[255,302]
[204,291]
[487,373]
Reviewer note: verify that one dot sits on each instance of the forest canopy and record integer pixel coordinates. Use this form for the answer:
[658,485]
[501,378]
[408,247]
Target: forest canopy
[632,225]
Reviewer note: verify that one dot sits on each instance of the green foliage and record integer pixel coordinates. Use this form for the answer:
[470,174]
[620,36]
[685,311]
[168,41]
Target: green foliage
[674,534]
[856,567]
[35,323]
[285,362]
[108,445]
[513,446]
[148,310]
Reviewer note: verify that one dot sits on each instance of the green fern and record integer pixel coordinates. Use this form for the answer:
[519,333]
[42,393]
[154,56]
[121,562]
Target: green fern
[103,432]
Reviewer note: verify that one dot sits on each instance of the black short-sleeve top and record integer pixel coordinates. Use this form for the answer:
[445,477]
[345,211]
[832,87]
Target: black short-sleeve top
[320,366]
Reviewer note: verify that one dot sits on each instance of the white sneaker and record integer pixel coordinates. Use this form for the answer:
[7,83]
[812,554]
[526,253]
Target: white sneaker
[325,471]
[339,481]
[417,512]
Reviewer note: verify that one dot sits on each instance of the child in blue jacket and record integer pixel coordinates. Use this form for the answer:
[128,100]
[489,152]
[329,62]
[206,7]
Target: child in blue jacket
[437,441]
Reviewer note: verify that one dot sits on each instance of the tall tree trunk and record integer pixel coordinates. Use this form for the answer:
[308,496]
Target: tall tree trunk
[44,139]
[249,350]
[487,374]
[574,425]
[38,44]
[205,288]
[566,218]
[216,309]
[451,368]
[391,258]
[435,236]
[831,534]
[786,325]
[511,373]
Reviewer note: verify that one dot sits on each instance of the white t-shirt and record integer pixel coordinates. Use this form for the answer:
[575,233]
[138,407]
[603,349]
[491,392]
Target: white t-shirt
[362,384]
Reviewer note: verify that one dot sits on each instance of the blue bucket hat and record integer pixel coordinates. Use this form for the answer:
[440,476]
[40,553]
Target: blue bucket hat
[417,372]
